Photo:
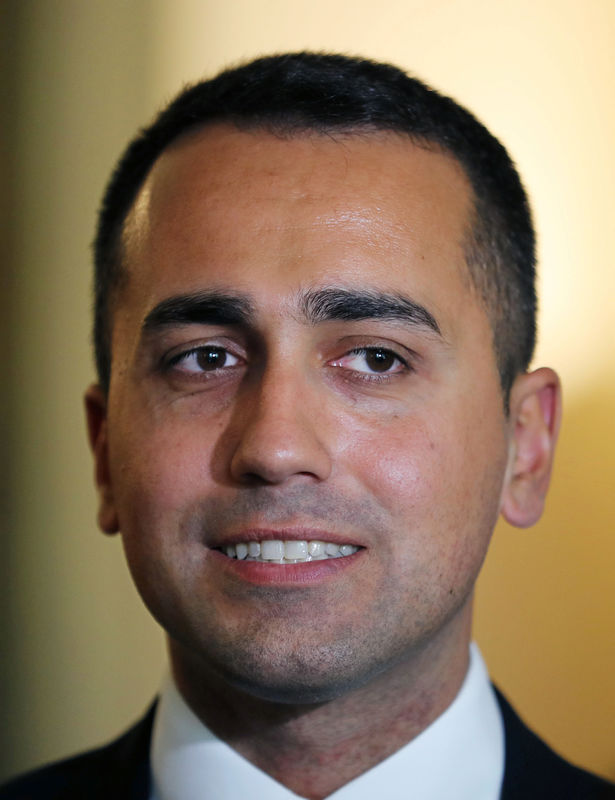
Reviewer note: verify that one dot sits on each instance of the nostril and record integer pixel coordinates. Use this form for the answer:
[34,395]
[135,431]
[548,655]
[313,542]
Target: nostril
[254,479]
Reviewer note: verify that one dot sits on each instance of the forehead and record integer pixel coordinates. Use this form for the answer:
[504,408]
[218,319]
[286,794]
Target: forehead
[261,210]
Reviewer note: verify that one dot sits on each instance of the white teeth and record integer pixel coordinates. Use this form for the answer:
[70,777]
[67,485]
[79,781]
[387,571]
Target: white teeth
[288,552]
[254,549]
[272,550]
[295,550]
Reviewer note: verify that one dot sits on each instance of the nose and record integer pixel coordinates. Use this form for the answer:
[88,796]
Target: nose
[279,433]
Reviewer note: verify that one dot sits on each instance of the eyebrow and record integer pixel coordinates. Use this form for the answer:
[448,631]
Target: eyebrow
[323,305]
[217,307]
[201,308]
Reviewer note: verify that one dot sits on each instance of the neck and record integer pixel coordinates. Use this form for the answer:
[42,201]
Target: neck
[315,748]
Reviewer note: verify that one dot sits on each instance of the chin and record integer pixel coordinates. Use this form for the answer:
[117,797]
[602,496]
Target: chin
[315,676]
[291,675]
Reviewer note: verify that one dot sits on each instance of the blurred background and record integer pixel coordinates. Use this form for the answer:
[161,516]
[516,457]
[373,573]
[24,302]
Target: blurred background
[80,656]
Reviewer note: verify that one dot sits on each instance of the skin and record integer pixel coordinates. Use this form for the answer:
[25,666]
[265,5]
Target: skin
[314,674]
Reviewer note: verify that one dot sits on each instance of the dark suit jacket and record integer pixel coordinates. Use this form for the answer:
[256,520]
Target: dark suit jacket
[120,771]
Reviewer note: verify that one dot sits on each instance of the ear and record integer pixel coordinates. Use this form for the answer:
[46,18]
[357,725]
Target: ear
[96,416]
[535,414]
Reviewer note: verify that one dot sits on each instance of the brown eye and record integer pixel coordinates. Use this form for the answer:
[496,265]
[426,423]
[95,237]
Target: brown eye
[203,359]
[209,358]
[374,361]
[380,360]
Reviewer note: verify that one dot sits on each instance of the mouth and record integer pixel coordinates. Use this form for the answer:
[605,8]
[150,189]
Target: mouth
[278,551]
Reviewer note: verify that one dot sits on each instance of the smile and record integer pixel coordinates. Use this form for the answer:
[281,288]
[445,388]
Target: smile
[276,551]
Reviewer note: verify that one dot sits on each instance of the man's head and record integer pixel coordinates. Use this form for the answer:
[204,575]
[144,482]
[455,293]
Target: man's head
[331,94]
[303,371]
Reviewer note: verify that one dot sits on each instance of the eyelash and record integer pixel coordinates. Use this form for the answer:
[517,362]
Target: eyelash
[374,377]
[177,359]
[350,374]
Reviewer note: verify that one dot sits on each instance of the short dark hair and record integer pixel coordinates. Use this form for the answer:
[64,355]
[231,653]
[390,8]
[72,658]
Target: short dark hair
[298,92]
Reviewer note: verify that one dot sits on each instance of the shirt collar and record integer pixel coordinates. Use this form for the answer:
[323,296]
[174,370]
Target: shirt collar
[461,755]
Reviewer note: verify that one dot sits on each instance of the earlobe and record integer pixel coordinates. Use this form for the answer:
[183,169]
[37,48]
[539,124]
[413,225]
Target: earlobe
[96,416]
[535,413]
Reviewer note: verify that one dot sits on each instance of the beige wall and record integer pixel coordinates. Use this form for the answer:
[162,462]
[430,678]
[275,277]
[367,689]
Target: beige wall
[84,656]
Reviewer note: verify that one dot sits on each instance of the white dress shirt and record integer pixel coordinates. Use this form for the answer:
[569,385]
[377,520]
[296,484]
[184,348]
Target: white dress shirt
[460,755]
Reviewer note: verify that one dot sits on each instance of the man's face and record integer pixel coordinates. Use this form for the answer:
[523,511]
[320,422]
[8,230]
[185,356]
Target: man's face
[298,356]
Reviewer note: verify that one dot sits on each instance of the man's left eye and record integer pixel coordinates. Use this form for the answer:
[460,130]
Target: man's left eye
[371,360]
[204,359]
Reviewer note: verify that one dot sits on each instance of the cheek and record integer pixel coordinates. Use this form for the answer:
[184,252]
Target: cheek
[439,478]
[158,469]
[160,475]
[400,460]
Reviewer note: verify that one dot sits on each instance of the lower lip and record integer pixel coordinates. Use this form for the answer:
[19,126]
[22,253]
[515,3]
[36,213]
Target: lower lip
[302,574]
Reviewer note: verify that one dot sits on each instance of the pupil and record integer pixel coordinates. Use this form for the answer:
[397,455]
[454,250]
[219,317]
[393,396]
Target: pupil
[380,360]
[211,358]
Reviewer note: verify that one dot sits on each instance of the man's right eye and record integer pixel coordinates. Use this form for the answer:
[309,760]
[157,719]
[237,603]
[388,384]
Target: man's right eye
[205,358]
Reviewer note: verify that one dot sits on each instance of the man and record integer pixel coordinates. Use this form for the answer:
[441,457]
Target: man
[314,320]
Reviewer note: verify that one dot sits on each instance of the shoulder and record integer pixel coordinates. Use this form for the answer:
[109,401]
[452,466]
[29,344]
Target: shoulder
[533,770]
[119,770]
